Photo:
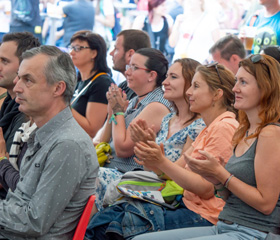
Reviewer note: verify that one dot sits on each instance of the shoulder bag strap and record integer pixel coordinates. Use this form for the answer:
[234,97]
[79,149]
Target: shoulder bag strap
[85,88]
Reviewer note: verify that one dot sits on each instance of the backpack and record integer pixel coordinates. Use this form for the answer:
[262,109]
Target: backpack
[23,11]
[142,181]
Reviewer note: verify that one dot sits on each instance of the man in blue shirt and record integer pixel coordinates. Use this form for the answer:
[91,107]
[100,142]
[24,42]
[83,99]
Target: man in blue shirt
[267,22]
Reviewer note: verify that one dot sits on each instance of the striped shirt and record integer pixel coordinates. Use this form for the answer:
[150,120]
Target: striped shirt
[128,164]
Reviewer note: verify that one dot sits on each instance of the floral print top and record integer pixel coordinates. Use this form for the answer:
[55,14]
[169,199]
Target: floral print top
[174,145]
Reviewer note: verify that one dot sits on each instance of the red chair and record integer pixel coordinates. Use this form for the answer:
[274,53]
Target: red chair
[82,225]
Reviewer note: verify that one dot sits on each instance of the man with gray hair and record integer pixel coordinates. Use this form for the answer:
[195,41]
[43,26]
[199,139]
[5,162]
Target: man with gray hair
[228,51]
[59,167]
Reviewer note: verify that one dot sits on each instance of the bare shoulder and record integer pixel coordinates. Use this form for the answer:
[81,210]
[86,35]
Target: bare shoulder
[270,131]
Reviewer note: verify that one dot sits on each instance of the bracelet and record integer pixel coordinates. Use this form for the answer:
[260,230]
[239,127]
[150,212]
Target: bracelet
[227,181]
[113,118]
[218,190]
[2,158]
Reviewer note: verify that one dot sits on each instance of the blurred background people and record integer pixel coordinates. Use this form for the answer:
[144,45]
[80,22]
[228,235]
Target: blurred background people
[228,51]
[158,24]
[79,15]
[267,22]
[194,32]
[25,16]
[104,19]
[5,11]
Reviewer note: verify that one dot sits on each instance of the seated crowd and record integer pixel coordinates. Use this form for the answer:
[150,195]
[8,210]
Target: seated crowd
[210,130]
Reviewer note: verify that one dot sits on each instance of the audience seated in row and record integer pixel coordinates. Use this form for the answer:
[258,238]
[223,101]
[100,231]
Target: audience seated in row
[211,96]
[249,183]
[179,128]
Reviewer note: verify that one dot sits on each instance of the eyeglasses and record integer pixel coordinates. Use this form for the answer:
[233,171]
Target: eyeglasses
[215,64]
[76,48]
[134,68]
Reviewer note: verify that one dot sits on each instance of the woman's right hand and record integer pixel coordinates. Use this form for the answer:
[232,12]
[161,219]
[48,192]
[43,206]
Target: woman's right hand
[207,165]
[116,99]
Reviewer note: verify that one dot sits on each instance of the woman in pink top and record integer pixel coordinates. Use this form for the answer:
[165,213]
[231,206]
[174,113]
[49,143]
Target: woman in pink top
[211,96]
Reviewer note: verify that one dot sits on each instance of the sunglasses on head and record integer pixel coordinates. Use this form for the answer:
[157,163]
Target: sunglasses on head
[215,64]
[256,58]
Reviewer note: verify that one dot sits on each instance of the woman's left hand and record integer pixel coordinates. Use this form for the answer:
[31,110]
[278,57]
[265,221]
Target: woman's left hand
[149,154]
[117,99]
[207,166]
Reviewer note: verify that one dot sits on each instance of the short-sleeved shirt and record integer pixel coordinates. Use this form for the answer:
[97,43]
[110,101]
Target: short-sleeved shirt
[217,140]
[268,31]
[96,92]
[174,145]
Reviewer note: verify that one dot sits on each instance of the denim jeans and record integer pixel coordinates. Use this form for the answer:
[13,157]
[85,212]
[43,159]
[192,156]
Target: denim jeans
[220,232]
[132,217]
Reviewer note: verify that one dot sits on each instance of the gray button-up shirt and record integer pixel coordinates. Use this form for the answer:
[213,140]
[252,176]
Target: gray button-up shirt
[57,176]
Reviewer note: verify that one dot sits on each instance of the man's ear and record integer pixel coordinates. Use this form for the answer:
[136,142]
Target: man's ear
[60,88]
[235,58]
[128,55]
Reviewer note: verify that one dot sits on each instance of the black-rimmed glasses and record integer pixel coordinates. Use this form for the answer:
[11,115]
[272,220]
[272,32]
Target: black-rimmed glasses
[134,68]
[76,48]
[215,64]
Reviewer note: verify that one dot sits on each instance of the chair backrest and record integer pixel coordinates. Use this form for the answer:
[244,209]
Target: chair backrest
[82,225]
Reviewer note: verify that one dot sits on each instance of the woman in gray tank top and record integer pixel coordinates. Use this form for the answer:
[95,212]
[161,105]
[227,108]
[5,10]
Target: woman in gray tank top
[249,183]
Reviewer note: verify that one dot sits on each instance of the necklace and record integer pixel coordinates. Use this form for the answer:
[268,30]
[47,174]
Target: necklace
[248,135]
[144,94]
